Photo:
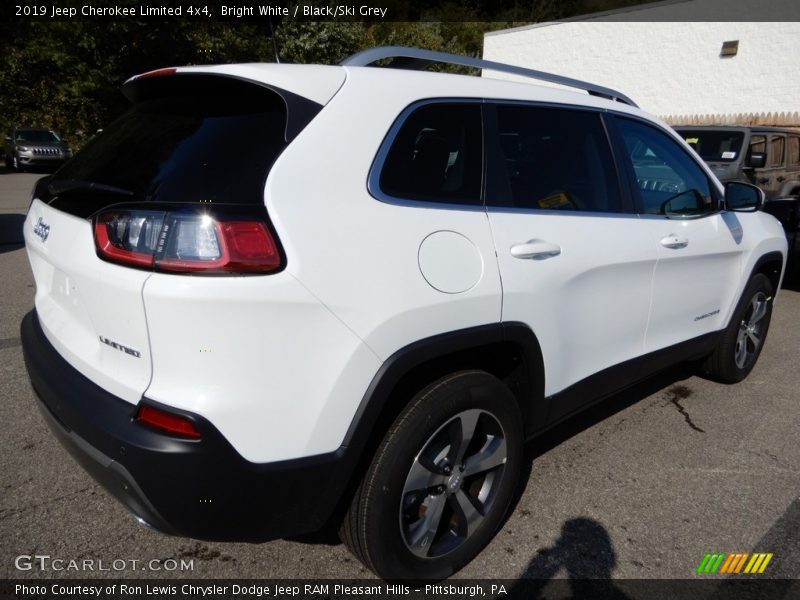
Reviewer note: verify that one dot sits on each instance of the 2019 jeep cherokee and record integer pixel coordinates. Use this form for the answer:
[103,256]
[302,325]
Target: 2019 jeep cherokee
[270,296]
[27,147]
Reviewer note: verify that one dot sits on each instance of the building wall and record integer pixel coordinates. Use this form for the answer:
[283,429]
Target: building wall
[668,68]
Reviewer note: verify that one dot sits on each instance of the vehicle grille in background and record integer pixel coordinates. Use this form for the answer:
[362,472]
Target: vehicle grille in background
[47,151]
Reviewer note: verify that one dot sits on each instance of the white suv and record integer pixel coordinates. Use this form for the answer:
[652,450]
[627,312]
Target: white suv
[275,297]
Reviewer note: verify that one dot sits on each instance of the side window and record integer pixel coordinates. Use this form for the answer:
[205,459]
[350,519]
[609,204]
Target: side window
[669,181]
[758,143]
[437,156]
[794,151]
[556,159]
[776,148]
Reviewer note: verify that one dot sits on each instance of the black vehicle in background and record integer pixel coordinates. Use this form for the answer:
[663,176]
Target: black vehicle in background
[768,157]
[28,147]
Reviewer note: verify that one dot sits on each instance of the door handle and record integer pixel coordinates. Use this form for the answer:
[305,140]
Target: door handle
[674,241]
[763,180]
[781,178]
[535,249]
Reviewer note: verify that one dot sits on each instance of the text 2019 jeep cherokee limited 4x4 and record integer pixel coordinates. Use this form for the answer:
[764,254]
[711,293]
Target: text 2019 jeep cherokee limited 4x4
[271,296]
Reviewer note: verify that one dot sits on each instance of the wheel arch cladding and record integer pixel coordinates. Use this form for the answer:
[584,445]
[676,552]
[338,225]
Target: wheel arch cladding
[771,265]
[509,351]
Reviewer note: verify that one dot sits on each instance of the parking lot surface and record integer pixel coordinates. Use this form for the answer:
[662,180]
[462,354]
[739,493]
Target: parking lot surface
[641,486]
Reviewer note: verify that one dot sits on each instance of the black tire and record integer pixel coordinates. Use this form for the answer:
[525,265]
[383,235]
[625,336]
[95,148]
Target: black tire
[740,346]
[15,166]
[427,433]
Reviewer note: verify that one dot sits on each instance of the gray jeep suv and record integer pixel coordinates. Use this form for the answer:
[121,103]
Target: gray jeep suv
[768,157]
[27,147]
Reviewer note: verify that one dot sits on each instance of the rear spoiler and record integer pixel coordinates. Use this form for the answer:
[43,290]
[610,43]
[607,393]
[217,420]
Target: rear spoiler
[171,82]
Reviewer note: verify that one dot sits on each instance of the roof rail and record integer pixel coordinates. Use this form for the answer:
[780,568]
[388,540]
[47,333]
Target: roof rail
[418,59]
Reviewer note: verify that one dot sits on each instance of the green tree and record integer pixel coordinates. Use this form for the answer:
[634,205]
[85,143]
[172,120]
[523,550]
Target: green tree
[67,74]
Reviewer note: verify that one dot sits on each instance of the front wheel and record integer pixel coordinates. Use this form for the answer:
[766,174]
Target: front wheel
[441,481]
[743,339]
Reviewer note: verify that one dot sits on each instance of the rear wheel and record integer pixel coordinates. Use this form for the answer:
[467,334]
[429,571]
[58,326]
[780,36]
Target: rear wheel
[743,339]
[441,482]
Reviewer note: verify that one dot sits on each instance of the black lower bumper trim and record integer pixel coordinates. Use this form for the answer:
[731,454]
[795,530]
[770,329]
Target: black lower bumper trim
[197,488]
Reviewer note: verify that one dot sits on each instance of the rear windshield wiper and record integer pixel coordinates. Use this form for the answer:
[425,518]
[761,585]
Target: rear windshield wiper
[70,185]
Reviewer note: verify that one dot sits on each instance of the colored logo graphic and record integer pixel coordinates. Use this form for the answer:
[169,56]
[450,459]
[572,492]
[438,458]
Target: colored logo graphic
[734,563]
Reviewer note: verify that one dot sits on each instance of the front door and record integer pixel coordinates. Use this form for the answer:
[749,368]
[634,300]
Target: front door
[699,247]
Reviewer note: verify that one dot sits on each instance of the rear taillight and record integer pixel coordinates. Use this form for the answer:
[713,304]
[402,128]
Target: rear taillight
[187,240]
[168,422]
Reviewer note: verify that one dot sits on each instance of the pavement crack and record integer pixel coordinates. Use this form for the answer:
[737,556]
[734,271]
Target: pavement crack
[769,455]
[678,393]
[7,513]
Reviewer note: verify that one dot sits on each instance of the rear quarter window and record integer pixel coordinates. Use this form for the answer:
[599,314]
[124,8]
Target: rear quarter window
[436,156]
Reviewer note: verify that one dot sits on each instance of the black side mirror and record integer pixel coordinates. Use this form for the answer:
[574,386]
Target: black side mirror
[757,160]
[8,138]
[743,197]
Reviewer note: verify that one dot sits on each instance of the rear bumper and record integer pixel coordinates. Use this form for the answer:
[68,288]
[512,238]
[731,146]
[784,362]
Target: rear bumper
[196,488]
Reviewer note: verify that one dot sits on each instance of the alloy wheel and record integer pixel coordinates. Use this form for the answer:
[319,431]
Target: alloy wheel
[452,483]
[750,335]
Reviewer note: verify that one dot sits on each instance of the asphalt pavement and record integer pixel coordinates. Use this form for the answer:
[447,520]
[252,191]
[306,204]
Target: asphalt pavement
[642,486]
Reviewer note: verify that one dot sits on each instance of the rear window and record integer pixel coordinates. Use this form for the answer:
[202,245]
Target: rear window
[211,141]
[715,146]
[437,156]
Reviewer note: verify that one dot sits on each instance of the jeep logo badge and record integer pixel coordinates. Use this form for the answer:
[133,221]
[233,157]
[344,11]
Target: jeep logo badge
[41,229]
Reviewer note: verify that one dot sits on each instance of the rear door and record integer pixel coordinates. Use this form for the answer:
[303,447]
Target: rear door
[576,266]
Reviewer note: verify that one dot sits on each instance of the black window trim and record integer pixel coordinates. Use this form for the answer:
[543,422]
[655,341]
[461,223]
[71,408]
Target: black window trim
[619,146]
[631,201]
[374,176]
[488,127]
